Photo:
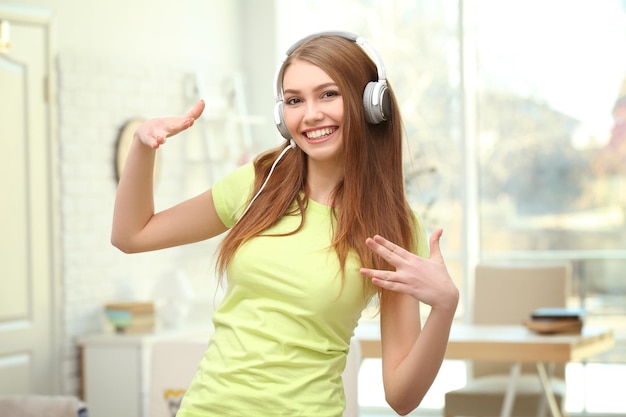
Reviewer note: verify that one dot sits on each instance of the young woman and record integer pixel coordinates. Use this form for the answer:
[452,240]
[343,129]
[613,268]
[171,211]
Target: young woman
[318,227]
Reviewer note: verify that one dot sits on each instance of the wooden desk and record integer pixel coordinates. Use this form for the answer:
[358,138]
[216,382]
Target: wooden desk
[512,344]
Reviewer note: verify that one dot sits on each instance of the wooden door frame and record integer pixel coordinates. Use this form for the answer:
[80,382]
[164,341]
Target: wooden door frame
[45,19]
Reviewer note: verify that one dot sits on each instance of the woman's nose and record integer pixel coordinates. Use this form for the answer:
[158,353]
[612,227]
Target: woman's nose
[313,113]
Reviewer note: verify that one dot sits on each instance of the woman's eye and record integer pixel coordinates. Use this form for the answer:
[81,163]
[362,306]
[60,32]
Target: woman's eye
[329,94]
[293,100]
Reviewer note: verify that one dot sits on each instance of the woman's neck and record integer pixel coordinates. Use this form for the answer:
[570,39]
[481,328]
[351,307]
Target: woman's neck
[322,180]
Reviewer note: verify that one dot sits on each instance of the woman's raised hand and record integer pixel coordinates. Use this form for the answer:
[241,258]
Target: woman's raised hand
[154,132]
[427,280]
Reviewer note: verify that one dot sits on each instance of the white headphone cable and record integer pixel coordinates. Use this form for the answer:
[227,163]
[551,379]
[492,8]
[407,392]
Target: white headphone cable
[292,145]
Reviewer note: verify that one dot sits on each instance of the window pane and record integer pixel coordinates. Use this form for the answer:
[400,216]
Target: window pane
[552,132]
[551,108]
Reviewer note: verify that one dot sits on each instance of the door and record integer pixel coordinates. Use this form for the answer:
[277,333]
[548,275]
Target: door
[28,358]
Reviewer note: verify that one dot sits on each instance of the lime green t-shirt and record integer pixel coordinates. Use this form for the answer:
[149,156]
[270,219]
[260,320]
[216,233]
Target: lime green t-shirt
[283,329]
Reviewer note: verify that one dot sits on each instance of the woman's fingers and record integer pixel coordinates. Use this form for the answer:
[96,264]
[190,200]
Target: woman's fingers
[176,125]
[389,251]
[154,132]
[425,279]
[196,110]
[435,247]
[185,122]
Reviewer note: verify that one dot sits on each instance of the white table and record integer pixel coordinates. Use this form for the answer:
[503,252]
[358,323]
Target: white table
[512,344]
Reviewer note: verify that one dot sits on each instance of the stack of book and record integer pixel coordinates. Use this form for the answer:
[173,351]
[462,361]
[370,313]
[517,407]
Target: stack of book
[549,320]
[131,317]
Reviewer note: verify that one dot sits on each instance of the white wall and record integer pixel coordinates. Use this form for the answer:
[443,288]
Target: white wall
[120,59]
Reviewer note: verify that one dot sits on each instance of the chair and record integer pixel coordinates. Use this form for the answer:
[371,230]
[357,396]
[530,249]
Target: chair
[507,294]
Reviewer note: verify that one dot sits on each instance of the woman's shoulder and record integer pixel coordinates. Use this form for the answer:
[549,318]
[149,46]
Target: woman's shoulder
[231,192]
[243,173]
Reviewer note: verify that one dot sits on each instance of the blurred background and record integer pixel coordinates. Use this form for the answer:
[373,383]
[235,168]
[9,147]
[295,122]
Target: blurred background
[515,114]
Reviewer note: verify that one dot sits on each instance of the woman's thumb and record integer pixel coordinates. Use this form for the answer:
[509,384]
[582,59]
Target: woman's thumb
[435,248]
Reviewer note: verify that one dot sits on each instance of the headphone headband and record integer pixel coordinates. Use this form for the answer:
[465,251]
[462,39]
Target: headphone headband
[375,95]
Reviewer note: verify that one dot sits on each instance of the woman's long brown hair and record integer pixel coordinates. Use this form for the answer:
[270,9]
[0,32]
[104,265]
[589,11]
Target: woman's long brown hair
[370,199]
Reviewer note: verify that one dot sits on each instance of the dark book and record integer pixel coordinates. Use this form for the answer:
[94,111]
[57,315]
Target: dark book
[558,313]
[552,326]
[549,320]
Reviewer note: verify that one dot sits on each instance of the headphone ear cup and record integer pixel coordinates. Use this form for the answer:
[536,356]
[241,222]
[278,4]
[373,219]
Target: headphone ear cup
[279,119]
[376,102]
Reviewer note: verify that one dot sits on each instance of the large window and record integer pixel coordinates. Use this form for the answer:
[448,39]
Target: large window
[551,106]
[547,135]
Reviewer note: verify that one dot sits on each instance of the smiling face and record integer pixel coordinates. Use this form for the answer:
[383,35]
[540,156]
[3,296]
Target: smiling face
[313,111]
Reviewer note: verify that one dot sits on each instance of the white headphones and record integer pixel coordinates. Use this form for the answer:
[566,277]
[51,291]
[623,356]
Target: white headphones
[376,99]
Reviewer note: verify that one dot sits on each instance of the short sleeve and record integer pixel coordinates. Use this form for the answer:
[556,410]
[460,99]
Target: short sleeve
[423,249]
[232,192]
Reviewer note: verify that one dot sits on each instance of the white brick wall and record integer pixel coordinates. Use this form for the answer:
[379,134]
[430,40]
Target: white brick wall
[114,66]
[96,98]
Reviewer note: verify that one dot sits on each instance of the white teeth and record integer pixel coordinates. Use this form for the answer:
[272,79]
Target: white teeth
[316,134]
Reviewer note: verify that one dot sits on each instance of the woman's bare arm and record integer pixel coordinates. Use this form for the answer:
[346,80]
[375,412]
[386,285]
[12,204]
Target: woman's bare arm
[136,227]
[412,355]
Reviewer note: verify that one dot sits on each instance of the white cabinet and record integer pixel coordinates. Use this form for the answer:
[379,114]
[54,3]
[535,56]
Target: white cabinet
[117,370]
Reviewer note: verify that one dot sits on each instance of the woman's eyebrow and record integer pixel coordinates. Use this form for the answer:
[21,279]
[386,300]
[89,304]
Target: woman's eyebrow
[319,87]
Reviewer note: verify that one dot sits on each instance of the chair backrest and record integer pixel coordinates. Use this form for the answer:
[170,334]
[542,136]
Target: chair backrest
[507,293]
